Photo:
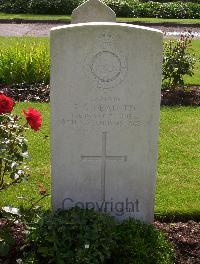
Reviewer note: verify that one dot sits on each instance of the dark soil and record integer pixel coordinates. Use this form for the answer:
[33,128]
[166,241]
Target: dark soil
[187,95]
[26,92]
[185,238]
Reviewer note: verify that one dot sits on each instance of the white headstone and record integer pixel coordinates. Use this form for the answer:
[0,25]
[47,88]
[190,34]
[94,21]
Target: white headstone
[93,11]
[105,100]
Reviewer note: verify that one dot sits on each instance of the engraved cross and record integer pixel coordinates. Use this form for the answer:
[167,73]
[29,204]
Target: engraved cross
[103,157]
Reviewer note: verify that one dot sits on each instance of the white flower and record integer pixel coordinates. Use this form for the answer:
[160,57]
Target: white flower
[11,210]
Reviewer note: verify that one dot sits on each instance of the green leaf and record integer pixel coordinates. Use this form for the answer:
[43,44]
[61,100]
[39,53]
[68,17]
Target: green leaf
[4,249]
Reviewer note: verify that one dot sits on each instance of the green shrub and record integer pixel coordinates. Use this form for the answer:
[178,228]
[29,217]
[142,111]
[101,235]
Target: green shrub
[24,62]
[53,6]
[87,237]
[166,10]
[178,61]
[139,243]
[75,236]
[18,6]
[39,6]
[123,8]
[172,1]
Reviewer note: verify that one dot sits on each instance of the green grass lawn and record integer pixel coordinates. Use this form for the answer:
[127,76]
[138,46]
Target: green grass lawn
[57,17]
[178,163]
[159,20]
[33,16]
[195,79]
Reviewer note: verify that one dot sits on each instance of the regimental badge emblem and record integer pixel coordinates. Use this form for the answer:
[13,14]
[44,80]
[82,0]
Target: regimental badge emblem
[105,64]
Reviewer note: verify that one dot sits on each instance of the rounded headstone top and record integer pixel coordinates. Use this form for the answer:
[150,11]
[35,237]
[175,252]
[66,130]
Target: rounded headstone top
[93,11]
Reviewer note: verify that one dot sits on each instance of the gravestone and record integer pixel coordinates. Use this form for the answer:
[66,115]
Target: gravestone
[93,10]
[105,103]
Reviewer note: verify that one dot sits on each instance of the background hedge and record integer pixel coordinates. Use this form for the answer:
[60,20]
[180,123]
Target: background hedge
[167,1]
[123,8]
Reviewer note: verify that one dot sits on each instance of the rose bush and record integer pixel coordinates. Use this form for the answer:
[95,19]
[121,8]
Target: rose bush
[178,61]
[6,104]
[13,152]
[13,145]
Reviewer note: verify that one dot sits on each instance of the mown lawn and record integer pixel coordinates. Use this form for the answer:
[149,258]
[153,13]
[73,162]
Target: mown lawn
[33,16]
[57,17]
[178,163]
[159,20]
[195,79]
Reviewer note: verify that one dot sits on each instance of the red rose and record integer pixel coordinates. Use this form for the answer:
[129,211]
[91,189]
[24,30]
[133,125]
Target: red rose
[6,104]
[34,118]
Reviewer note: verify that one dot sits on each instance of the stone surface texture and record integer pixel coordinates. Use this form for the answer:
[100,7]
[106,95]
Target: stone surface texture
[93,11]
[105,99]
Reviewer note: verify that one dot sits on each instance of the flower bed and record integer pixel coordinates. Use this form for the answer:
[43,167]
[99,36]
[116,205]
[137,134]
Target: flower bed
[189,95]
